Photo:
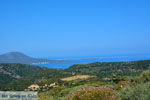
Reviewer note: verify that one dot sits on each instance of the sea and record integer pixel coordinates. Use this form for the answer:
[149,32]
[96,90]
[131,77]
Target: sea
[86,60]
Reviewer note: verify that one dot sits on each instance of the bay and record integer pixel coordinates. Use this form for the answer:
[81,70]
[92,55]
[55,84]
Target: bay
[72,61]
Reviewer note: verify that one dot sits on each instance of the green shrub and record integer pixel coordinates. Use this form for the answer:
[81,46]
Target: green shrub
[144,77]
[139,92]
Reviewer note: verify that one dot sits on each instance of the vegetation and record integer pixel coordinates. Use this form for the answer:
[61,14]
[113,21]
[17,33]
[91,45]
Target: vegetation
[110,69]
[10,72]
[125,89]
[138,91]
[96,81]
[20,76]
[93,93]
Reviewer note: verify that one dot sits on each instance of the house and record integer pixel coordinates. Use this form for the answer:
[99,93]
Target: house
[34,87]
[52,85]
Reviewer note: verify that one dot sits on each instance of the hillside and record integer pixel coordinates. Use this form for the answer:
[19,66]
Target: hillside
[129,87]
[116,81]
[111,68]
[21,76]
[17,57]
[14,76]
[10,72]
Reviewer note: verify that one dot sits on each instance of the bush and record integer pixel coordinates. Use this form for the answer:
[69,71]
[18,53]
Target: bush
[93,93]
[145,77]
[139,92]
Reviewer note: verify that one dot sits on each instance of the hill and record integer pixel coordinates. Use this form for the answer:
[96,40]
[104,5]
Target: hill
[109,69]
[20,76]
[17,57]
[114,81]
[14,76]
[10,72]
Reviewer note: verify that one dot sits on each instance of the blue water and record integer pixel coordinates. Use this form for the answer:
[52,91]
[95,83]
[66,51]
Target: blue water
[63,65]
[70,62]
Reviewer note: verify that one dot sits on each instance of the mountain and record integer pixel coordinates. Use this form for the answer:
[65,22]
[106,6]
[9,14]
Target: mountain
[17,57]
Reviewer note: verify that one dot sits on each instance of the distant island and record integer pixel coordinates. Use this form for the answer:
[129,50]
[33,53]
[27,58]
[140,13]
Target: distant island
[17,57]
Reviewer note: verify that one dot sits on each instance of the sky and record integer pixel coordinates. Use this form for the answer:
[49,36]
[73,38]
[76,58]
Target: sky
[63,28]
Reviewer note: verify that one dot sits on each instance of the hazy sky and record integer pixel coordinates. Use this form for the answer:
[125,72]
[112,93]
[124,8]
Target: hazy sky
[53,28]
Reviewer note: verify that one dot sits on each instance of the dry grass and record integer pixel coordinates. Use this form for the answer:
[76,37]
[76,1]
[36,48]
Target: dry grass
[72,78]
